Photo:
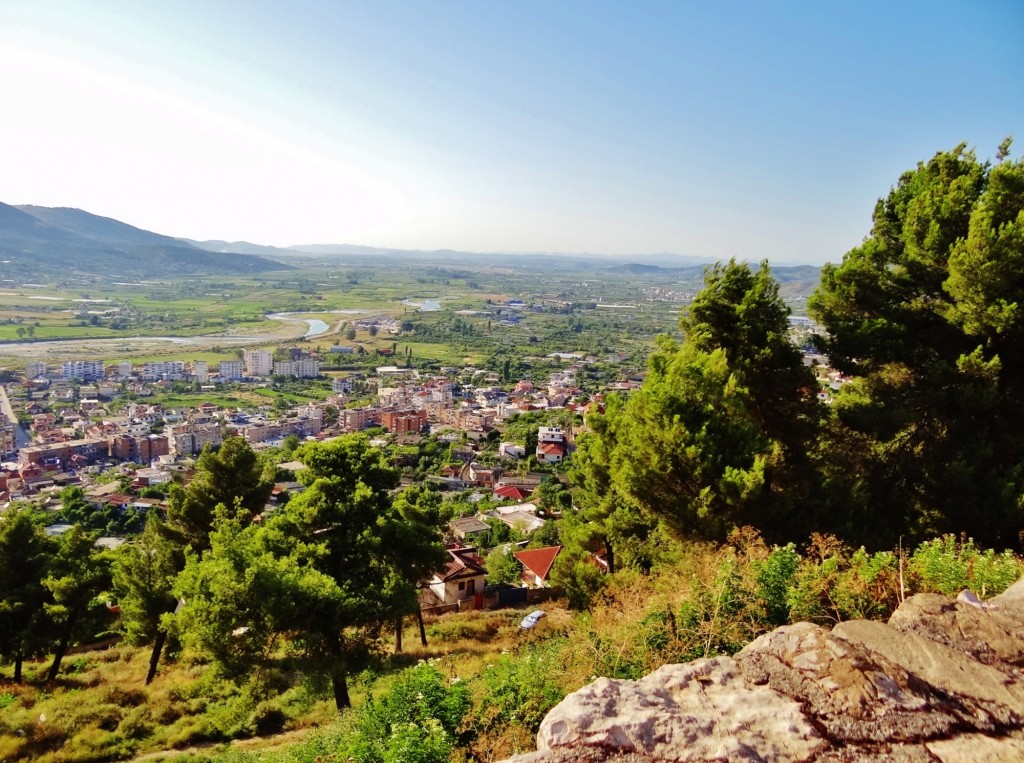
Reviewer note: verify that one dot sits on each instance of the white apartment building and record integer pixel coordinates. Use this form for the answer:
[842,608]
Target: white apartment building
[124,369]
[258,363]
[230,370]
[306,368]
[201,371]
[165,369]
[83,370]
[35,369]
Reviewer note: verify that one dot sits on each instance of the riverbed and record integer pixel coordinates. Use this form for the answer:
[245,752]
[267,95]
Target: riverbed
[291,327]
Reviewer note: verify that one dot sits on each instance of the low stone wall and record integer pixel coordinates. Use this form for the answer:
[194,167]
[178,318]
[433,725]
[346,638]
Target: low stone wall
[941,682]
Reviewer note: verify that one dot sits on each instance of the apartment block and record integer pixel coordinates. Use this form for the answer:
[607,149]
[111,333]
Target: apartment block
[258,363]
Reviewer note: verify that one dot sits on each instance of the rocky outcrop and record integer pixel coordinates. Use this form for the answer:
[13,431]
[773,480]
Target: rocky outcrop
[943,681]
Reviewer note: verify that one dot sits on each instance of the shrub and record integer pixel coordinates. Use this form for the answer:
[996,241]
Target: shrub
[945,566]
[774,577]
[416,720]
[522,689]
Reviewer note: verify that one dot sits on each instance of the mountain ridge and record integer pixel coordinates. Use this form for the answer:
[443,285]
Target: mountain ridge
[36,240]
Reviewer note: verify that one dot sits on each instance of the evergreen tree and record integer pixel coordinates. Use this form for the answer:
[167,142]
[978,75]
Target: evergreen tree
[144,572]
[77,573]
[926,315]
[718,435]
[320,577]
[24,556]
[232,476]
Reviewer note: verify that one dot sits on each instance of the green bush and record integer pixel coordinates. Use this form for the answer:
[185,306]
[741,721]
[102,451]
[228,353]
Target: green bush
[946,566]
[522,689]
[416,720]
[774,577]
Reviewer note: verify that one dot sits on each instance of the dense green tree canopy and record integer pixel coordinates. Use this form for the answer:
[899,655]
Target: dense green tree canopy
[231,476]
[926,314]
[24,557]
[321,576]
[719,433]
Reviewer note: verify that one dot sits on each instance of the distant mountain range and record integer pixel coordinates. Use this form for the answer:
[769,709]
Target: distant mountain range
[44,240]
[37,241]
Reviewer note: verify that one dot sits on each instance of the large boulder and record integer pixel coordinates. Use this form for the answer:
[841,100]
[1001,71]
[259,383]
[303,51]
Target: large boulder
[942,681]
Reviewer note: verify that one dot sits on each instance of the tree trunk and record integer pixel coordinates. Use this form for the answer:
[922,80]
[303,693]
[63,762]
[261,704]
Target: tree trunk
[423,630]
[610,556]
[340,686]
[154,658]
[398,634]
[62,647]
[17,668]
[339,681]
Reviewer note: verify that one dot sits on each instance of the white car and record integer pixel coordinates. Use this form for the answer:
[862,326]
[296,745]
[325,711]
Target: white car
[531,620]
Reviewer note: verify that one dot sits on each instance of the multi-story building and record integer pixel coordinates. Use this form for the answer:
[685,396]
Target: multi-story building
[201,371]
[83,370]
[35,369]
[140,449]
[171,370]
[230,370]
[124,369]
[304,368]
[258,363]
[341,384]
[7,439]
[355,419]
[59,453]
[188,439]
[404,422]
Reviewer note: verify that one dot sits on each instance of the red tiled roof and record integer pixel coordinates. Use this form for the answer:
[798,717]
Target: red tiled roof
[463,563]
[538,560]
[512,493]
[551,447]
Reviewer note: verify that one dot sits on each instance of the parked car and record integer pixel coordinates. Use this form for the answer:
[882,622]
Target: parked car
[531,620]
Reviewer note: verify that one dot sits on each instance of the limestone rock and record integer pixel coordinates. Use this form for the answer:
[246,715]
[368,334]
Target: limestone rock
[701,711]
[942,682]
[988,694]
[856,694]
[992,635]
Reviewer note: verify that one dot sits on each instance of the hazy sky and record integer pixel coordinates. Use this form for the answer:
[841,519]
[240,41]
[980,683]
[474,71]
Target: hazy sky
[753,129]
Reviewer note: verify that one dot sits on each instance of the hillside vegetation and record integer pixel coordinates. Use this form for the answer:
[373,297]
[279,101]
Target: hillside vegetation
[723,496]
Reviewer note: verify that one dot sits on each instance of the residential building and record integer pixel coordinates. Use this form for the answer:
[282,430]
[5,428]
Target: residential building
[550,445]
[61,453]
[304,368]
[140,449]
[201,371]
[341,384]
[404,422]
[462,579]
[35,369]
[356,419]
[511,451]
[188,439]
[83,370]
[537,564]
[258,363]
[170,370]
[230,370]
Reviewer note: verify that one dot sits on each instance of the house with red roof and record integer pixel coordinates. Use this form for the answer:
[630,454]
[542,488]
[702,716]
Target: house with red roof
[537,564]
[461,579]
[512,493]
[550,452]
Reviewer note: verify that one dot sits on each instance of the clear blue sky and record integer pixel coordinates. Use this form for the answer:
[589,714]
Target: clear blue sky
[720,129]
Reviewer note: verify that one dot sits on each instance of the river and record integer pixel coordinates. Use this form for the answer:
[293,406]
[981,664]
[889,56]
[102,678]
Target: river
[42,348]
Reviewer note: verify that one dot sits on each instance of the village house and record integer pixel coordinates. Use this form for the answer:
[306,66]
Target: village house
[461,580]
[537,564]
